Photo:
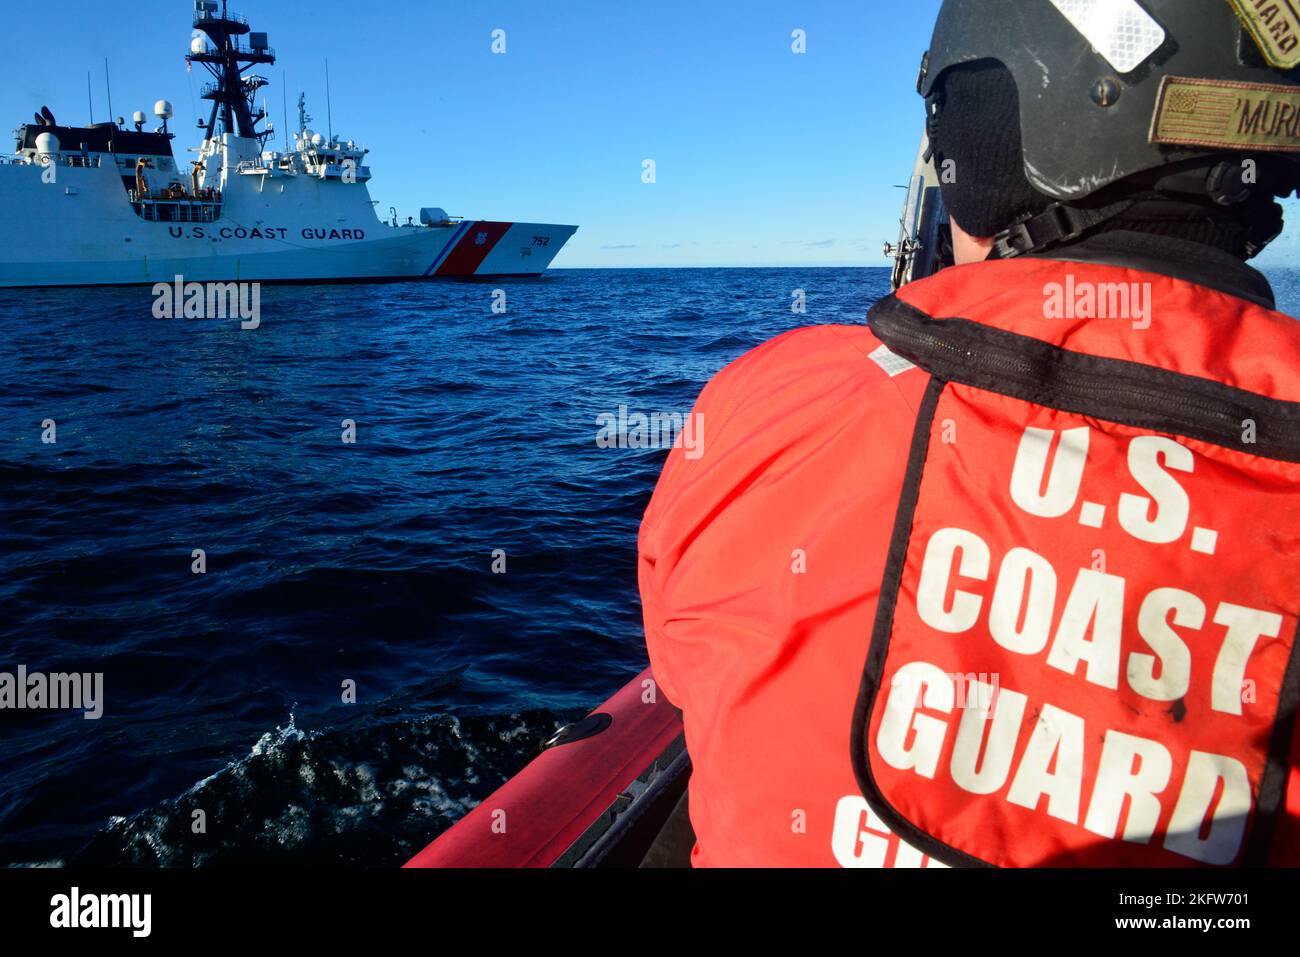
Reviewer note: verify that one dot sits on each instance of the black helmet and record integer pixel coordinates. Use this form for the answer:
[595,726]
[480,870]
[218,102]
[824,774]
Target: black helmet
[1170,93]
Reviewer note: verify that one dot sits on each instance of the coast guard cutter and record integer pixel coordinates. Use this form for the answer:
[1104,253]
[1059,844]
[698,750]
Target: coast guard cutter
[107,204]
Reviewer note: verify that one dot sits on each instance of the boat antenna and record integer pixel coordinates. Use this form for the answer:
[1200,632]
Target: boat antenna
[329,113]
[109,87]
[284,104]
[90,99]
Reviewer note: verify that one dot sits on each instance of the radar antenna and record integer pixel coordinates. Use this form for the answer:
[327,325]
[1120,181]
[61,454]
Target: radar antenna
[227,57]
[303,116]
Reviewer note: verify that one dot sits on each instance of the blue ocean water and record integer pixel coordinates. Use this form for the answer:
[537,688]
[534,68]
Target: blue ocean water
[330,562]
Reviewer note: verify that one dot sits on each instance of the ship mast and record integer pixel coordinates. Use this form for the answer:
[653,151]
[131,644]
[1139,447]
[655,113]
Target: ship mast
[231,92]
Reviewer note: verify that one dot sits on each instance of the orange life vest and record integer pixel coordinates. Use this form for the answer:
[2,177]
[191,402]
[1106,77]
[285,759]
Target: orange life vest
[1048,516]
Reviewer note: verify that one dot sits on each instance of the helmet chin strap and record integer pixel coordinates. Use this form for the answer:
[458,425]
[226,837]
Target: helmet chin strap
[1175,195]
[1057,224]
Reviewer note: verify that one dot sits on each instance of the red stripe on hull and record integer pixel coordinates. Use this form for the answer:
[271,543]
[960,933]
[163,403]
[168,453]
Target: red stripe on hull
[472,249]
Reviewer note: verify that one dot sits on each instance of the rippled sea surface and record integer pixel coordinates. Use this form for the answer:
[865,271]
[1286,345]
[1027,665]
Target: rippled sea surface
[330,562]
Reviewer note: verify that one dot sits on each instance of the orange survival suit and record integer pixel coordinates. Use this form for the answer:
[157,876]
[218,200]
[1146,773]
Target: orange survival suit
[1009,577]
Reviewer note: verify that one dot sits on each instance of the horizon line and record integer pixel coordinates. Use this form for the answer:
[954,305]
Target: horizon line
[1260,267]
[554,268]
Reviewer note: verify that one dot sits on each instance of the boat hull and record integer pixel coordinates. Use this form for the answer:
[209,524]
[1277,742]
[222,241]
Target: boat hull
[599,796]
[82,231]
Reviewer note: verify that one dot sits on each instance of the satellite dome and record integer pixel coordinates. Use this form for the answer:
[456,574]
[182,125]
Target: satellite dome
[198,45]
[47,143]
[317,139]
[163,110]
[138,116]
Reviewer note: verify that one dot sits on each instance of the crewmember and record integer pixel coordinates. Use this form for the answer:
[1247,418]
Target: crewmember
[1011,575]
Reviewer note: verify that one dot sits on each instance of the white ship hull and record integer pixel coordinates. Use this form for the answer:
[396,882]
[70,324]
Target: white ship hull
[81,230]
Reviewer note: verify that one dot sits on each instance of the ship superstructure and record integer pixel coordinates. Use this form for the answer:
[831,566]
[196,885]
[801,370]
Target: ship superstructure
[108,203]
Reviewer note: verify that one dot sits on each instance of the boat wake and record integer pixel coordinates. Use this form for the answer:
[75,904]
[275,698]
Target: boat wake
[338,797]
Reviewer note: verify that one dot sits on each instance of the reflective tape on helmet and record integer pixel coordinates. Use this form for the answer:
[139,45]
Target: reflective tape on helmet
[1123,33]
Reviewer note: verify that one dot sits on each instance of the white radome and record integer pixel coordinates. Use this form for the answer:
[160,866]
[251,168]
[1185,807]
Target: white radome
[163,110]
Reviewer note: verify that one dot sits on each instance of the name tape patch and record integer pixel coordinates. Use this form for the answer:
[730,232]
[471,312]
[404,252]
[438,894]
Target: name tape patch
[1192,111]
[1275,27]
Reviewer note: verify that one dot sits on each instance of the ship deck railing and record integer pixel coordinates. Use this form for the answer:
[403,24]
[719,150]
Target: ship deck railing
[63,159]
[177,210]
[215,18]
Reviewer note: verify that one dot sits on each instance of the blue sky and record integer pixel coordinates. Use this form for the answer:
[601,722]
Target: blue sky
[763,156]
